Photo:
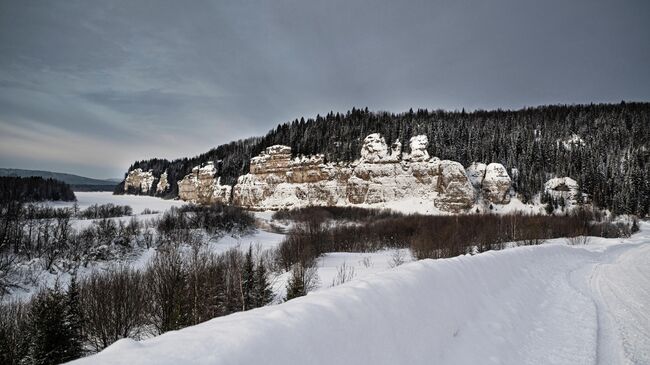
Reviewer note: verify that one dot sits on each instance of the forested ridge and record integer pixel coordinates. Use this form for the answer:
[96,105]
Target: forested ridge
[605,147]
[33,189]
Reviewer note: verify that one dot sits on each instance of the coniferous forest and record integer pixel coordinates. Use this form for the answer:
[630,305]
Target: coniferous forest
[604,147]
[33,189]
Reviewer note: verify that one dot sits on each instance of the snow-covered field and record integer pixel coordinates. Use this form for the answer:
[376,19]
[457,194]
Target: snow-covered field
[548,304]
[137,202]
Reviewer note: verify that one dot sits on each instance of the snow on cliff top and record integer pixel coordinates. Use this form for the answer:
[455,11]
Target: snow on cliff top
[528,305]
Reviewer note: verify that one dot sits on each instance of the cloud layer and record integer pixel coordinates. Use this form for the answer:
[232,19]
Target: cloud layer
[87,87]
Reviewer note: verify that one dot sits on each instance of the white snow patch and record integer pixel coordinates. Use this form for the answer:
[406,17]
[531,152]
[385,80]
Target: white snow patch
[526,305]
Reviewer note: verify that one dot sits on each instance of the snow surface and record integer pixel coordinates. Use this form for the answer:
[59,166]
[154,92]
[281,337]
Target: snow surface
[137,202]
[548,304]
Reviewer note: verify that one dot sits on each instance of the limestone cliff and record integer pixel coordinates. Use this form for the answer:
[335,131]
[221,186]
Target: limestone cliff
[163,184]
[276,181]
[382,175]
[491,180]
[201,186]
[139,181]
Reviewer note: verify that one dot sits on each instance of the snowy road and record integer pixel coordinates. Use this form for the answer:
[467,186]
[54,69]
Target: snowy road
[548,304]
[622,291]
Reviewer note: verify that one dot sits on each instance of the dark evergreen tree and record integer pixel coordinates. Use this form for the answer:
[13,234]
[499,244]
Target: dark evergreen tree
[248,281]
[74,320]
[296,285]
[52,339]
[263,289]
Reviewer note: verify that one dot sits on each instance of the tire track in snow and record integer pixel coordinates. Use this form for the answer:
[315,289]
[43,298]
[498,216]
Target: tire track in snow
[622,292]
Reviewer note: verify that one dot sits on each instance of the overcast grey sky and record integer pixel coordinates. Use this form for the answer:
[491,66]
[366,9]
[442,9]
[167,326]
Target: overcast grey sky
[88,87]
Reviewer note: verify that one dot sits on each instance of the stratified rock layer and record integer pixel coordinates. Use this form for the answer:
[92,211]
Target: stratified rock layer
[201,186]
[276,181]
[381,175]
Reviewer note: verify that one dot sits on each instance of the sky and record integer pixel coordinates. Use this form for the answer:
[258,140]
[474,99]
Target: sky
[88,87]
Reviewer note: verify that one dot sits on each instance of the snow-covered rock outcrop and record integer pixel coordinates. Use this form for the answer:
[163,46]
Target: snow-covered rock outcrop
[572,142]
[163,183]
[276,181]
[476,174]
[562,187]
[492,180]
[419,146]
[496,184]
[139,181]
[201,186]
[382,175]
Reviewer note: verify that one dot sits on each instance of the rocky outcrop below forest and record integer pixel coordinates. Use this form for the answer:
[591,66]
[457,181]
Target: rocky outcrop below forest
[383,174]
[203,186]
[139,181]
[564,188]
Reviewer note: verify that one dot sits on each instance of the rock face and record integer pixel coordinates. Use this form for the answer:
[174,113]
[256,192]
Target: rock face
[492,180]
[200,186]
[381,175]
[476,174]
[562,187]
[276,181]
[139,180]
[496,184]
[419,152]
[163,184]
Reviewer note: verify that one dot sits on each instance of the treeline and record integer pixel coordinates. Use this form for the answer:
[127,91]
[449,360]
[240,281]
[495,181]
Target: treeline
[33,189]
[176,290]
[436,236]
[334,213]
[95,211]
[609,160]
[30,232]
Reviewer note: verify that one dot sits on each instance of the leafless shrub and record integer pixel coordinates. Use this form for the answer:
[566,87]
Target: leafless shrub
[578,240]
[397,258]
[366,262]
[344,274]
[166,280]
[113,306]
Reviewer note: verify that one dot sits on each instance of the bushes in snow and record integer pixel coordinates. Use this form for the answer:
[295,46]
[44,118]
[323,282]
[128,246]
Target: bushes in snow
[211,218]
[435,236]
[105,211]
[47,330]
[178,289]
[354,214]
[29,231]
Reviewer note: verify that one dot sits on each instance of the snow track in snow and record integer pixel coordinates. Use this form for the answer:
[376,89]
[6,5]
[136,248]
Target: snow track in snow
[624,291]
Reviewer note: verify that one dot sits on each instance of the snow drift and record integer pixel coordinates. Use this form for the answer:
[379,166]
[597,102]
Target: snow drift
[526,305]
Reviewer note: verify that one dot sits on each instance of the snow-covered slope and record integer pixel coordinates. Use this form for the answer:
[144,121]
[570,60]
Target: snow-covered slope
[549,304]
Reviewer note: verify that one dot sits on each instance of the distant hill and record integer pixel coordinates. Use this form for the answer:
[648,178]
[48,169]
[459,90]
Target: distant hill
[78,183]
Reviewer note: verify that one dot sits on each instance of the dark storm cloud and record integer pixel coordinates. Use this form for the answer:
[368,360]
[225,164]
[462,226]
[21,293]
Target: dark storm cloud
[88,87]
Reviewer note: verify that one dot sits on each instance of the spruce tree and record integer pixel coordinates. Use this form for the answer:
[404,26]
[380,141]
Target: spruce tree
[263,290]
[52,340]
[296,285]
[248,281]
[74,319]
